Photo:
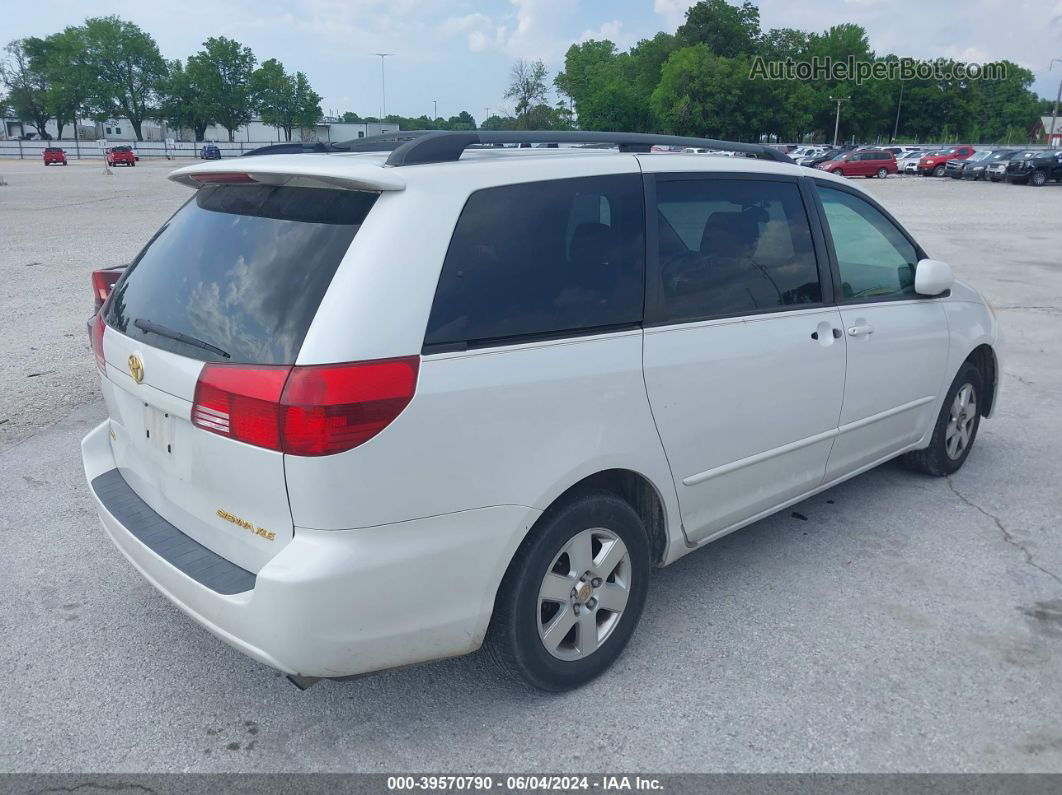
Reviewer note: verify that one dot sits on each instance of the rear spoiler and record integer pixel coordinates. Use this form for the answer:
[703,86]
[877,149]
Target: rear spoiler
[307,171]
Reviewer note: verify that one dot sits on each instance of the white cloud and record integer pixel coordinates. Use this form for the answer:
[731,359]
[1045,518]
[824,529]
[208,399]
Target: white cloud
[613,31]
[673,12]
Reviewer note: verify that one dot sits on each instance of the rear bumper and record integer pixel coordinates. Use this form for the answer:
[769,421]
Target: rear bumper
[344,602]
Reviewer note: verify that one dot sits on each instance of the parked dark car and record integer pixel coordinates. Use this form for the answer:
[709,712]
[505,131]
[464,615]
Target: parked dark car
[210,152]
[813,161]
[977,167]
[997,169]
[1036,168]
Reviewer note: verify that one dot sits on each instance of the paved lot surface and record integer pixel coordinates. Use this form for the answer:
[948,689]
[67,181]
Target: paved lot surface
[906,624]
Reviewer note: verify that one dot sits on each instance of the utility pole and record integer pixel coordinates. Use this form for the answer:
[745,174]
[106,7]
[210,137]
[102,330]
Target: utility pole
[896,127]
[383,84]
[837,121]
[486,115]
[1054,114]
[435,109]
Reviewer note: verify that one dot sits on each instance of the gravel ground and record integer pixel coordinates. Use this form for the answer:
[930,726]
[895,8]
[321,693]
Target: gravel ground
[57,225]
[905,624]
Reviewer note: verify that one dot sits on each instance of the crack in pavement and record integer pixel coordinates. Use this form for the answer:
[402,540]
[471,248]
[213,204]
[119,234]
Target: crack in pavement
[1007,536]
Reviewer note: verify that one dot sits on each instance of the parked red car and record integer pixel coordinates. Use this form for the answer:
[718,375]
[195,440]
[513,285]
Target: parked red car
[936,163]
[121,155]
[864,163]
[53,154]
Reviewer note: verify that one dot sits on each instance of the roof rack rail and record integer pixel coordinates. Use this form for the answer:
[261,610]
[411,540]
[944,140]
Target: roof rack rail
[417,147]
[289,148]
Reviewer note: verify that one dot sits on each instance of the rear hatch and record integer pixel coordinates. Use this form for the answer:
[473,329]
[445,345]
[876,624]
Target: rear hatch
[234,278]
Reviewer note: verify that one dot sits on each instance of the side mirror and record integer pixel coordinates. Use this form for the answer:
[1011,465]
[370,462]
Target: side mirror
[933,277]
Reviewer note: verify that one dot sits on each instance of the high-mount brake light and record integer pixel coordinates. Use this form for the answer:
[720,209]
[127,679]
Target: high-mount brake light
[224,179]
[308,410]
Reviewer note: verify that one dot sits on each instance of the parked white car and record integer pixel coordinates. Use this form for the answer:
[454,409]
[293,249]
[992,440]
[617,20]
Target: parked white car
[370,409]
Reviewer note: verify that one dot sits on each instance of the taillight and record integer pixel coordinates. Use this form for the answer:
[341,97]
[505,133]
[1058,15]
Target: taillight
[103,282]
[96,329]
[304,410]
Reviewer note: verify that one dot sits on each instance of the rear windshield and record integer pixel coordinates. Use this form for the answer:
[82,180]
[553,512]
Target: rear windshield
[239,272]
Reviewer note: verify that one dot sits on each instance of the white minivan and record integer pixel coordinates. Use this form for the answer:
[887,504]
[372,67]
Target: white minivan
[372,408]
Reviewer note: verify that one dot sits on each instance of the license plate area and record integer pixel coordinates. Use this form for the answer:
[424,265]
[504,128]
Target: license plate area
[158,431]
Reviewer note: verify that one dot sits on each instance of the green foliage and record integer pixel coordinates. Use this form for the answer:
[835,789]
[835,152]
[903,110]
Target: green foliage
[697,82]
[726,30]
[285,101]
[221,73]
[527,88]
[27,84]
[126,69]
[182,101]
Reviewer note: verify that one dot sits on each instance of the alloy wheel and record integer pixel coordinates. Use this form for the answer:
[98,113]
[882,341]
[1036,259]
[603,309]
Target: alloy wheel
[583,594]
[961,422]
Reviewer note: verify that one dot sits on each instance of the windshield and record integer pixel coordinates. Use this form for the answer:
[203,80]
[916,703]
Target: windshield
[238,273]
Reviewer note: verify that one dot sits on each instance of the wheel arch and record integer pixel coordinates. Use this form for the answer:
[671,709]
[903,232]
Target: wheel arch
[984,358]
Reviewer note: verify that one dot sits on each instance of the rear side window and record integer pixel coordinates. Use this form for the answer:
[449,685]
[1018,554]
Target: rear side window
[542,258]
[729,246]
[240,271]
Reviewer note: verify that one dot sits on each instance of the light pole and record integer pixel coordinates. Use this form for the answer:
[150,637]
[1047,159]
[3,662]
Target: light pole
[896,127]
[837,121]
[1054,114]
[383,84]
[486,115]
[434,109]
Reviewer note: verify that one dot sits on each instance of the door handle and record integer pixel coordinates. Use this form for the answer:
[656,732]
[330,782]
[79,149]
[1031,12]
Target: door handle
[859,331]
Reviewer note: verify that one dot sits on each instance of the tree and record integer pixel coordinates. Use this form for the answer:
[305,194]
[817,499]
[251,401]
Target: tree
[127,70]
[222,72]
[58,59]
[703,94]
[462,121]
[181,102]
[306,104]
[725,29]
[27,85]
[285,101]
[273,90]
[527,88]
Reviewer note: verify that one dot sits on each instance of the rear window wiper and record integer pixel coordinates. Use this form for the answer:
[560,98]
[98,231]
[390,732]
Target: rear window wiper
[163,331]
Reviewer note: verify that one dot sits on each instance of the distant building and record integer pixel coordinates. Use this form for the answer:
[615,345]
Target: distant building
[327,130]
[1041,130]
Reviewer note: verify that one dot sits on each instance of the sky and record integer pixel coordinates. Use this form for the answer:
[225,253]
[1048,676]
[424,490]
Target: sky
[457,53]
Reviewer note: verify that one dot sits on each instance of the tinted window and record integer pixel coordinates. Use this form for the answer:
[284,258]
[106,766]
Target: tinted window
[873,256]
[542,258]
[241,268]
[732,246]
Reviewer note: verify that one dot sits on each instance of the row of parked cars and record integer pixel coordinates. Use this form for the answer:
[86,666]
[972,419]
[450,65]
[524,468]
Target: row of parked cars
[1021,166]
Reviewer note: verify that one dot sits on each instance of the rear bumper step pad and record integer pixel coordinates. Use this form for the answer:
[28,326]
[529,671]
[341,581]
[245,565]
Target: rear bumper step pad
[190,557]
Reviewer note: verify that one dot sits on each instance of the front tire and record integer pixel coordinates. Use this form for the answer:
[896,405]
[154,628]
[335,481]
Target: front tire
[573,594]
[939,171]
[1038,178]
[956,428]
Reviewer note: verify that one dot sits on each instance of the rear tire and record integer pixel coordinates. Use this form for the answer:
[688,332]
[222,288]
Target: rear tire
[882,173]
[956,427]
[582,571]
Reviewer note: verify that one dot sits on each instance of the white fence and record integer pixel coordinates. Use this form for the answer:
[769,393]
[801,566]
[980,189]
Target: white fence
[89,150]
